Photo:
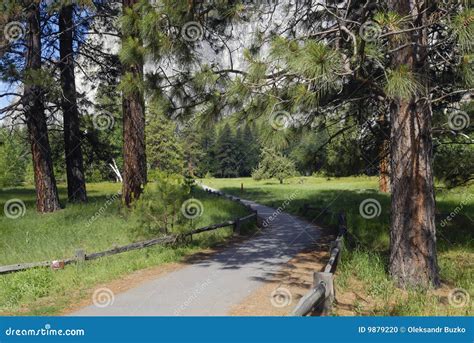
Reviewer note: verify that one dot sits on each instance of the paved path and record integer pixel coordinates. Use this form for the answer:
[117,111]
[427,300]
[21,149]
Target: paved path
[213,286]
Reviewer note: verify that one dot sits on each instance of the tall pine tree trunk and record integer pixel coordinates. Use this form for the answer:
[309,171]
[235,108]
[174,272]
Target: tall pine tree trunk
[134,157]
[76,185]
[47,199]
[413,260]
[384,167]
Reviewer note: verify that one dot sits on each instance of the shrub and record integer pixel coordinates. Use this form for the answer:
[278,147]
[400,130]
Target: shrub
[158,209]
[274,165]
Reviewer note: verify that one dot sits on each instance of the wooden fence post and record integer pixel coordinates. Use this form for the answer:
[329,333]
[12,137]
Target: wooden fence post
[258,219]
[328,279]
[80,255]
[237,227]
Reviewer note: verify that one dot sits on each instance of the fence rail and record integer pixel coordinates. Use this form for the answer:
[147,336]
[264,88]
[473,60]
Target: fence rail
[321,295]
[81,255]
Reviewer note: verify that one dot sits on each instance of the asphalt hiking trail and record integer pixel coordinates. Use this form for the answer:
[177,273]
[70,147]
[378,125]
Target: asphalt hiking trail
[212,286]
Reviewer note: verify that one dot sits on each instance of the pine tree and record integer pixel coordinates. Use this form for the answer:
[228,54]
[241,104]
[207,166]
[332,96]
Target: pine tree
[310,152]
[22,62]
[413,258]
[226,153]
[239,151]
[274,164]
[47,199]
[193,152]
[133,104]
[208,144]
[344,157]
[76,183]
[164,151]
[13,158]
[249,151]
[414,56]
[103,144]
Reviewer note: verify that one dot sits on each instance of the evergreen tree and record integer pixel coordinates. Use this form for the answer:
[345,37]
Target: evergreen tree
[13,158]
[310,152]
[47,199]
[103,144]
[410,56]
[274,164]
[226,154]
[208,145]
[193,152]
[239,151]
[249,150]
[413,259]
[164,151]
[254,148]
[76,183]
[133,104]
[344,157]
[56,139]
[454,163]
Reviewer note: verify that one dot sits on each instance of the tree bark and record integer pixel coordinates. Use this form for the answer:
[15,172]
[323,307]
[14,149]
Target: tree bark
[134,173]
[76,185]
[47,199]
[384,166]
[413,260]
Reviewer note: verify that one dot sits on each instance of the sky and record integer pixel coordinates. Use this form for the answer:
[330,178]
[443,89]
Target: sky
[4,101]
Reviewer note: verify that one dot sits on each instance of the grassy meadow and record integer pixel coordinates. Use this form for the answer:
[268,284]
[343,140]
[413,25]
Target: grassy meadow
[362,276]
[99,225]
[363,284]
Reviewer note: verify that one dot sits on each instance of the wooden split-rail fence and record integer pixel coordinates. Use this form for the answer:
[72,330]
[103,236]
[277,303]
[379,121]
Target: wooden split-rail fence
[318,299]
[322,294]
[81,255]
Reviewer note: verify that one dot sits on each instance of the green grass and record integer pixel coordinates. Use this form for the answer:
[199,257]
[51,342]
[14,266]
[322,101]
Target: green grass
[363,270]
[366,266]
[35,237]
